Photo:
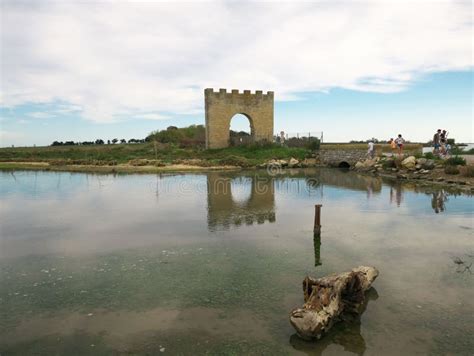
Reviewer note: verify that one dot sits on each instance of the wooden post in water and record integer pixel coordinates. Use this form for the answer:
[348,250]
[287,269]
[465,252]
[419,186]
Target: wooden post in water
[317,219]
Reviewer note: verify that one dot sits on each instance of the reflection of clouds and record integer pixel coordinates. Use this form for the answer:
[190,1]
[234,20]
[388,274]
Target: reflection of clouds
[123,214]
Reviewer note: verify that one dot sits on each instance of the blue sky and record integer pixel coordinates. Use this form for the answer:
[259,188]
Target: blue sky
[355,70]
[442,100]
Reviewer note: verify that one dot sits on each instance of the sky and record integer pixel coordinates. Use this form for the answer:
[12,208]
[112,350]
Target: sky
[354,70]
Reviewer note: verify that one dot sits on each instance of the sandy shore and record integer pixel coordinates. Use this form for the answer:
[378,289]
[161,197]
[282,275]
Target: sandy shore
[120,168]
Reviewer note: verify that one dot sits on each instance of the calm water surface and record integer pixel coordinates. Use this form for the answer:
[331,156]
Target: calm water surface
[213,263]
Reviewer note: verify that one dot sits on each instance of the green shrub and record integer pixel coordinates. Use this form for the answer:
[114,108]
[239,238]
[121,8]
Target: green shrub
[429,155]
[451,170]
[455,161]
[314,144]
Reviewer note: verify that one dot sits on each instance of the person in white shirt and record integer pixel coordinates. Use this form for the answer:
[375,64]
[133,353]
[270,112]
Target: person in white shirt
[400,141]
[371,151]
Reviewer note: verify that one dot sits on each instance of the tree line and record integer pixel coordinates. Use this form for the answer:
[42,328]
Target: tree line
[97,142]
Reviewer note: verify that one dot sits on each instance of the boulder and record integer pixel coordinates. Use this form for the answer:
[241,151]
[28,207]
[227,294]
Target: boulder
[293,162]
[359,165]
[409,162]
[429,164]
[282,163]
[421,161]
[370,162]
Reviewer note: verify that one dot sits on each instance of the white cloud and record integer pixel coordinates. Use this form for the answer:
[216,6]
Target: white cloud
[8,138]
[108,60]
[152,116]
[40,115]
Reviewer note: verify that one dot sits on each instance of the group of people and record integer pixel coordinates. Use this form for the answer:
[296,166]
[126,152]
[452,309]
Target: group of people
[440,143]
[395,144]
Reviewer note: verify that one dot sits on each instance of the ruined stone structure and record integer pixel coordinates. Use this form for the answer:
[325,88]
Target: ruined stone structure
[222,106]
[342,157]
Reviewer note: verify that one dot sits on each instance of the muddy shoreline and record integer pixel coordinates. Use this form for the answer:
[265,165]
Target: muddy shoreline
[435,178]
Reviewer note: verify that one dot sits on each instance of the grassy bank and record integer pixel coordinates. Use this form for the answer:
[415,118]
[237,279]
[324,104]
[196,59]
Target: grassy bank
[138,154]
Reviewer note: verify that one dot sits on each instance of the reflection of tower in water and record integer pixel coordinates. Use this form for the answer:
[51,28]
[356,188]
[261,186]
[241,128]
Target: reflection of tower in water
[224,211]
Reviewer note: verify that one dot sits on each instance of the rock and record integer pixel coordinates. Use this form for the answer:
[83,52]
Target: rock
[309,162]
[421,161]
[418,166]
[402,176]
[282,162]
[329,299]
[359,165]
[429,164]
[440,179]
[409,162]
[369,163]
[293,162]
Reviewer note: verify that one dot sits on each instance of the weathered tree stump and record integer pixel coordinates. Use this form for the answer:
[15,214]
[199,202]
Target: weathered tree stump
[329,299]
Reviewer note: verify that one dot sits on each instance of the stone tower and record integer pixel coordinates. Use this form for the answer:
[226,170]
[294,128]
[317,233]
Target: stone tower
[222,106]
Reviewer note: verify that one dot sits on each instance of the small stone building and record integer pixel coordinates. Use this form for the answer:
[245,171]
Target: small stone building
[222,106]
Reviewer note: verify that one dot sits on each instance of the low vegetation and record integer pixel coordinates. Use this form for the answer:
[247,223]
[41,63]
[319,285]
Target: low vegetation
[453,170]
[150,153]
[455,161]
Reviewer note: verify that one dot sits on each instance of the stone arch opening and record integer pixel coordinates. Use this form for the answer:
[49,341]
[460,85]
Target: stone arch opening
[344,164]
[241,131]
[222,106]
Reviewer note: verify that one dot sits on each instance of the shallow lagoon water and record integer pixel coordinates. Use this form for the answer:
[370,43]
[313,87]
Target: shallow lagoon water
[213,263]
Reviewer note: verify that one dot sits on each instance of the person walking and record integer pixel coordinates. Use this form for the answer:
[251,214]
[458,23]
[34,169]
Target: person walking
[400,141]
[371,150]
[436,142]
[393,146]
[443,139]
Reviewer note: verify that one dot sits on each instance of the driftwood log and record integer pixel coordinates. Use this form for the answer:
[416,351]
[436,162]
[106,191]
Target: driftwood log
[329,299]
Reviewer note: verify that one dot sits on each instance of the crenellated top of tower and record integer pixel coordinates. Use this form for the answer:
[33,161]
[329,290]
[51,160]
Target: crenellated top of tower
[234,93]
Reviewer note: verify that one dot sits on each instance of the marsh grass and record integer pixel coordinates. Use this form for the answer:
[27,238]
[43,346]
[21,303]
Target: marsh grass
[104,155]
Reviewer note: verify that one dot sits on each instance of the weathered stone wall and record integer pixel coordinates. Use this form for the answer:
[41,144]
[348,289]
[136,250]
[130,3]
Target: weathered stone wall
[222,106]
[334,157]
